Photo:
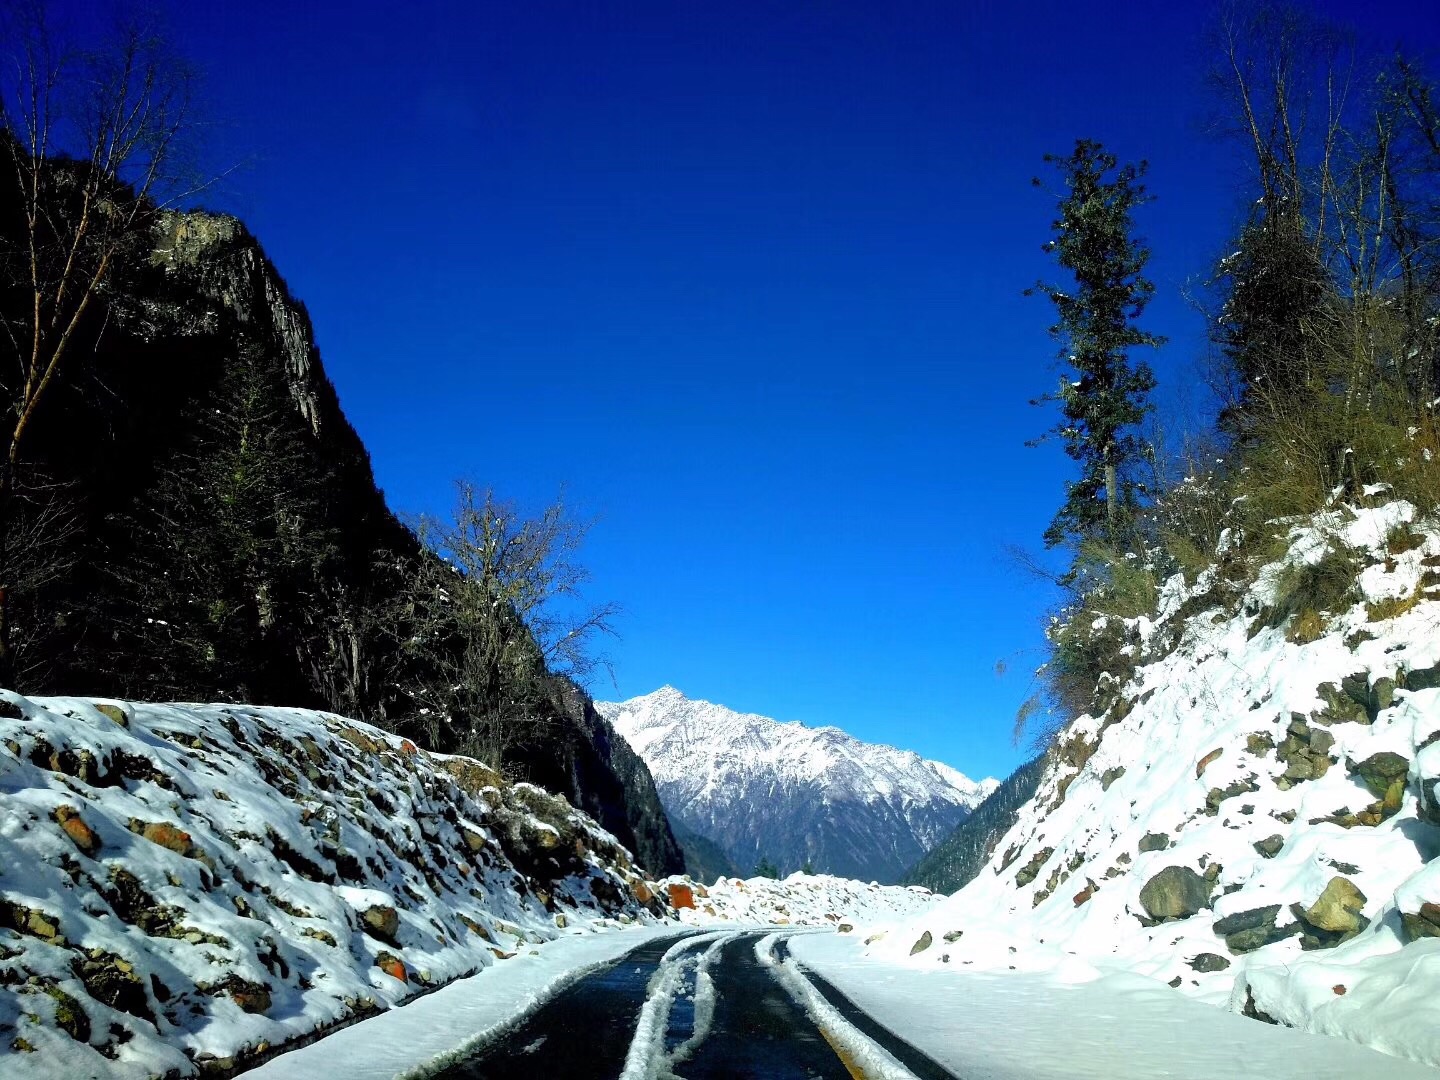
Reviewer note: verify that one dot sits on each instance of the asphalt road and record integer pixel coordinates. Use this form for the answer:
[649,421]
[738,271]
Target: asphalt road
[700,1008]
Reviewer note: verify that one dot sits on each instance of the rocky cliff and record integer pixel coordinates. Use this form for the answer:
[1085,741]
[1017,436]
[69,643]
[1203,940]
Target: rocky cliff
[222,521]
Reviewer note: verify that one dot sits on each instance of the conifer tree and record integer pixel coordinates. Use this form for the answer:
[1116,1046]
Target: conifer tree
[1103,396]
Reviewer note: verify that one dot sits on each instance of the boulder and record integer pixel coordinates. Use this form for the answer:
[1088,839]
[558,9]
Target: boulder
[115,713]
[171,837]
[392,966]
[1424,923]
[1176,892]
[923,942]
[80,834]
[1270,846]
[382,920]
[1154,841]
[1381,771]
[1204,762]
[681,896]
[1338,908]
[1246,931]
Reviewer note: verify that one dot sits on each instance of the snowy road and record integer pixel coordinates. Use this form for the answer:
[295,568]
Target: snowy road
[726,1004]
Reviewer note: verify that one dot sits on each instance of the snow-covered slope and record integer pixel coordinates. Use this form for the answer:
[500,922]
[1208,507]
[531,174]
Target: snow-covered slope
[1254,817]
[183,887]
[790,793]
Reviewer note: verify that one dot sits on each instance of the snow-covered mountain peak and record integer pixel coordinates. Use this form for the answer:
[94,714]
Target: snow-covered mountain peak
[738,778]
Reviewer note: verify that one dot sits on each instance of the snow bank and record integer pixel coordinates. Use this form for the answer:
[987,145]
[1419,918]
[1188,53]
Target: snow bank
[798,900]
[1253,818]
[187,887]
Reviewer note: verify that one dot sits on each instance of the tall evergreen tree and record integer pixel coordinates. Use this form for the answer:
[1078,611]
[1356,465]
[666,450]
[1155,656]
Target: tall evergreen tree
[1103,396]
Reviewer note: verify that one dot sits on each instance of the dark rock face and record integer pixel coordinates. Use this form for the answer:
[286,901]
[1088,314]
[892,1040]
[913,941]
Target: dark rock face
[193,329]
[597,770]
[1177,892]
[1246,931]
[955,861]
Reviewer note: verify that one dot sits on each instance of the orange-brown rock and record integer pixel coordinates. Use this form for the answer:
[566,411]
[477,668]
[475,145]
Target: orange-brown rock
[170,837]
[642,892]
[1204,762]
[80,834]
[392,966]
[681,896]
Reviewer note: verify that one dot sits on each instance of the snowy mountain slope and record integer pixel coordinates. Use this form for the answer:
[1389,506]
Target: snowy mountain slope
[183,887]
[1254,817]
[790,793]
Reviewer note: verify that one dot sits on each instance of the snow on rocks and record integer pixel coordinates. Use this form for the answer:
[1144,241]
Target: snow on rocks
[1252,817]
[184,888]
[798,900]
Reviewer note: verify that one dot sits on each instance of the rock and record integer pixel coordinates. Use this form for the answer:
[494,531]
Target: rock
[170,837]
[642,892]
[251,997]
[922,943]
[1176,892]
[1321,742]
[1247,920]
[69,1016]
[1209,961]
[1154,841]
[473,840]
[382,920]
[1425,923]
[561,922]
[681,896]
[1338,908]
[1270,846]
[115,713]
[392,966]
[1423,678]
[80,834]
[952,936]
[844,928]
[32,921]
[112,981]
[1204,762]
[1175,982]
[1382,693]
[1380,771]
[1218,795]
[1110,776]
[1086,893]
[1259,743]
[10,711]
[1028,872]
[1342,707]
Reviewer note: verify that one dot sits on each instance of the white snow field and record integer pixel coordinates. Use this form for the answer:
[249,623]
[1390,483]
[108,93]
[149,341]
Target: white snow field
[1069,1024]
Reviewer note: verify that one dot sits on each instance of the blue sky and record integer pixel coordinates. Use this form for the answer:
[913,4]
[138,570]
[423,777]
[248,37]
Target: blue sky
[745,279]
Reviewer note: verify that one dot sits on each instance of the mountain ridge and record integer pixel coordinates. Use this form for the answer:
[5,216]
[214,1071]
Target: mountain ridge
[795,795]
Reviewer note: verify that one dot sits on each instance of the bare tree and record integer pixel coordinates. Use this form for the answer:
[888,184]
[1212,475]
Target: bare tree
[92,138]
[500,613]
